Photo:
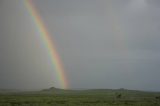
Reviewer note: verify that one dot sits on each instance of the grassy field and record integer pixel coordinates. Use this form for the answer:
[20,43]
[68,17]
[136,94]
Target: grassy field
[99,97]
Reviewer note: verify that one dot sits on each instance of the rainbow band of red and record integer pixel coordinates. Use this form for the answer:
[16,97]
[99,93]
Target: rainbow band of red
[49,44]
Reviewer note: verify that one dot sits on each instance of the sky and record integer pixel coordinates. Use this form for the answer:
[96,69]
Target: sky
[102,44]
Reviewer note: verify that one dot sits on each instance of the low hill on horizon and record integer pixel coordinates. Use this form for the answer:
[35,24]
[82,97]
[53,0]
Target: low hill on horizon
[59,90]
[94,89]
[9,90]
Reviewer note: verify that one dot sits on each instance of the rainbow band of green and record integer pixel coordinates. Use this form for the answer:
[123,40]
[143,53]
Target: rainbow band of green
[49,44]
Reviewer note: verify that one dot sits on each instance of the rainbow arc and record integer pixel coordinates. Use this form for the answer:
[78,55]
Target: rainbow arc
[49,44]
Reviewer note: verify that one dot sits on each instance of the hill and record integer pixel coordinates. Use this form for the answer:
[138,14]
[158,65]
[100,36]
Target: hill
[8,90]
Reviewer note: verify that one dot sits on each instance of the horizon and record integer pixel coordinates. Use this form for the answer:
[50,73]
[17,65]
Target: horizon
[76,89]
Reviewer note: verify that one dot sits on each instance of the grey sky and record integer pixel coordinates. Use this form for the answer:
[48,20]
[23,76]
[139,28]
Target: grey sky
[102,44]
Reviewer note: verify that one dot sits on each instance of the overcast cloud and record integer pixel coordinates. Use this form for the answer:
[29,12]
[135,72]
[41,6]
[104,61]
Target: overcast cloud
[102,44]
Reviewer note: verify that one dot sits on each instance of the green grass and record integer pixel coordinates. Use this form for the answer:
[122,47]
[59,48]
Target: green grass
[80,98]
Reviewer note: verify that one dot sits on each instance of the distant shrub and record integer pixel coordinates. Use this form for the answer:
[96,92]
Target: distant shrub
[118,96]
[157,97]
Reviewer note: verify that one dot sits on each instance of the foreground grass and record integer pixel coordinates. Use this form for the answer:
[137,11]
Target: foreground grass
[81,98]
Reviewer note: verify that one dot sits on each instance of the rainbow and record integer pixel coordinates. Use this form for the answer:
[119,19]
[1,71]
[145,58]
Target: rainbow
[48,43]
[119,33]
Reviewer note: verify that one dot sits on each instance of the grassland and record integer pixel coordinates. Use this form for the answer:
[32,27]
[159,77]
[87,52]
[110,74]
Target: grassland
[97,97]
